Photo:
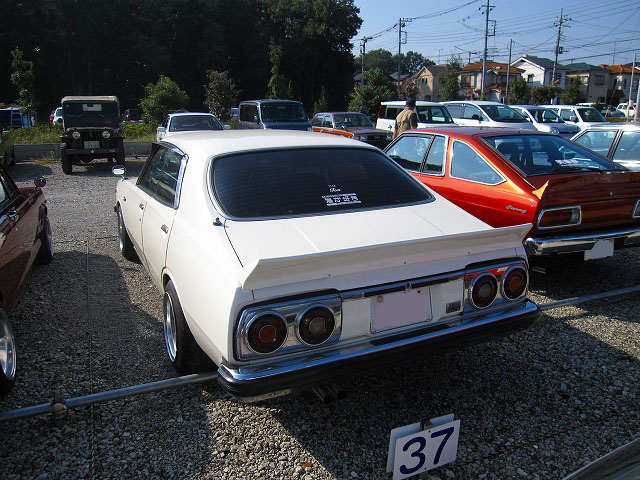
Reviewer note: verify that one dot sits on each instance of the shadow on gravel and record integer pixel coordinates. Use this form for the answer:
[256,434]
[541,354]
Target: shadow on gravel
[28,171]
[78,332]
[102,168]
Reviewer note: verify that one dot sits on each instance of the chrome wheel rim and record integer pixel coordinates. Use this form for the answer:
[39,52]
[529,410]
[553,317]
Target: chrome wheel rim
[169,327]
[7,350]
[120,231]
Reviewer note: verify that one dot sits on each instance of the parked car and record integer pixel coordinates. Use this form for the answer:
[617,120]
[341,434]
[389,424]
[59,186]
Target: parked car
[429,114]
[487,114]
[273,114]
[581,116]
[91,130]
[234,112]
[611,111]
[133,115]
[56,116]
[619,142]
[626,109]
[187,122]
[351,125]
[546,120]
[576,200]
[25,238]
[12,117]
[290,258]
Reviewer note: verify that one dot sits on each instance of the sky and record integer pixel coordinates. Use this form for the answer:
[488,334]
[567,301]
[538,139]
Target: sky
[595,32]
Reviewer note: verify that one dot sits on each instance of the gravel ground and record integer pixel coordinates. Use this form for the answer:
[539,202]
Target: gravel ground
[538,404]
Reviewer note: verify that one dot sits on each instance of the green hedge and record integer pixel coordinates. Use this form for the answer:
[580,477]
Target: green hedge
[139,131]
[43,133]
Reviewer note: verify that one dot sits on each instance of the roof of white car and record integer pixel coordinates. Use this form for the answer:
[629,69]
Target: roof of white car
[216,142]
[475,102]
[402,103]
[180,114]
[632,126]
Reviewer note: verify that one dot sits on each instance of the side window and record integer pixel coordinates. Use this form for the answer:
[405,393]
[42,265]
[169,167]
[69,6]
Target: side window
[436,156]
[598,140]
[472,112]
[628,147]
[149,179]
[4,194]
[166,122]
[392,112]
[566,114]
[455,110]
[168,178]
[466,164]
[327,121]
[409,151]
[247,112]
[317,121]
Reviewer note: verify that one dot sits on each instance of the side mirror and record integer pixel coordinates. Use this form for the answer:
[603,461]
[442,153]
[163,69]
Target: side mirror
[39,182]
[226,127]
[573,118]
[161,130]
[119,170]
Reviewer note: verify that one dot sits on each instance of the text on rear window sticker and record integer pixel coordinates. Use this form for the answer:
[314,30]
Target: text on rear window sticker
[341,199]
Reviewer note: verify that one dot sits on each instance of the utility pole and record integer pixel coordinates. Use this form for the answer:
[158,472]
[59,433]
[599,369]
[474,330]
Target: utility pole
[488,8]
[506,92]
[633,70]
[401,23]
[561,20]
[363,44]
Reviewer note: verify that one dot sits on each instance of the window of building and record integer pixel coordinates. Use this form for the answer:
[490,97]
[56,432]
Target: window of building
[530,78]
[599,80]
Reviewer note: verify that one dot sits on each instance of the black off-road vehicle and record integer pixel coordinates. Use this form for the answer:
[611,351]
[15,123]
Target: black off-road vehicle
[91,130]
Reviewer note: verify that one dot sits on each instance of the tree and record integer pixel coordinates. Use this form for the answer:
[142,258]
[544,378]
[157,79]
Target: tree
[321,103]
[23,78]
[376,89]
[410,62]
[220,93]
[518,93]
[162,98]
[571,94]
[451,83]
[543,95]
[409,89]
[279,86]
[378,58]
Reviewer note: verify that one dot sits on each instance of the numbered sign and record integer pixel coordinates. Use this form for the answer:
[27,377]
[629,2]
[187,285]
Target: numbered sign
[424,450]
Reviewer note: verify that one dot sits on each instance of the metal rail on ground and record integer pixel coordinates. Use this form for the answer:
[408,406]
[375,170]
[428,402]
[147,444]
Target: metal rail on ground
[58,409]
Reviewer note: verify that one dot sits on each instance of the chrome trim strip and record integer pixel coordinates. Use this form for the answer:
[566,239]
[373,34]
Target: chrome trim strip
[567,207]
[578,243]
[183,166]
[283,366]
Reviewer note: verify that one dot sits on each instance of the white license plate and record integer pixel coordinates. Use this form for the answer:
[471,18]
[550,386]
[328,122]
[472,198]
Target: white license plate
[399,309]
[92,144]
[601,249]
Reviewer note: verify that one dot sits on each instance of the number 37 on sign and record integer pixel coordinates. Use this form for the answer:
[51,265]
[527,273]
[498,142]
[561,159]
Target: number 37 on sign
[416,448]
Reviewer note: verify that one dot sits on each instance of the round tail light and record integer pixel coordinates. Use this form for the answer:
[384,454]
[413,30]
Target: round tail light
[267,333]
[316,325]
[484,290]
[514,283]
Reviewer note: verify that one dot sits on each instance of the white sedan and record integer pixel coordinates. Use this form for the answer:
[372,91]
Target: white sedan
[188,122]
[290,258]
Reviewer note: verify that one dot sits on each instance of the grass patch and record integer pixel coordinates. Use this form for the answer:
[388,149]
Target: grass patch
[139,132]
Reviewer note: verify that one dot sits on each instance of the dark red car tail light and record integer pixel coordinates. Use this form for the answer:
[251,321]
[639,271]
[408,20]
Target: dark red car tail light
[267,333]
[514,283]
[316,325]
[559,217]
[484,290]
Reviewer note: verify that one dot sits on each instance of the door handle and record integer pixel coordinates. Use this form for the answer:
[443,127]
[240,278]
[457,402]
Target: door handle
[13,215]
[141,206]
[164,228]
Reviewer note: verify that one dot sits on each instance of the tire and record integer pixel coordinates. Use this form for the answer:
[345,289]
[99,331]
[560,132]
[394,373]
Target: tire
[183,351]
[7,354]
[45,254]
[124,241]
[66,161]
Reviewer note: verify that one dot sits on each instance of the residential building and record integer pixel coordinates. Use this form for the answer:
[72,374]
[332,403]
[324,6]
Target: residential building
[619,82]
[537,71]
[594,81]
[428,81]
[495,80]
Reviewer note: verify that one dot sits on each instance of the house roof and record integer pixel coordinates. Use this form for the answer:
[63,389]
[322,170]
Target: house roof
[583,67]
[545,63]
[402,76]
[497,67]
[618,68]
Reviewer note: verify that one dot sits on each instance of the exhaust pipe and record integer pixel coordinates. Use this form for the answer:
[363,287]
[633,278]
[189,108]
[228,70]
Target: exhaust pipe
[324,394]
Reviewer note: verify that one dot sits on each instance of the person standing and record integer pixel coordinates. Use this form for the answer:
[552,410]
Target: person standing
[407,118]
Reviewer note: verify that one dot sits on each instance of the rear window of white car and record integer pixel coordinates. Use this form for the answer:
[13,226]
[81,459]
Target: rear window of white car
[311,181]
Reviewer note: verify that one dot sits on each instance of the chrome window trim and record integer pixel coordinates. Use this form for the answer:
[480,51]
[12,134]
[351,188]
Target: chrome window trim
[455,140]
[444,159]
[526,288]
[544,210]
[226,216]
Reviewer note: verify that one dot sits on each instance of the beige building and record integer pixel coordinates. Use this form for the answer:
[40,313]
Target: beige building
[619,82]
[428,81]
[594,81]
[495,80]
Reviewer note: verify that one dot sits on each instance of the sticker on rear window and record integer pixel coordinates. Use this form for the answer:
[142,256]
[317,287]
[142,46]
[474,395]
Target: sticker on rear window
[567,162]
[341,199]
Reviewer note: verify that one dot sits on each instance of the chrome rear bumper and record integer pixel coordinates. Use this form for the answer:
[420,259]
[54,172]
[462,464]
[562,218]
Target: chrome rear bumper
[285,375]
[580,243]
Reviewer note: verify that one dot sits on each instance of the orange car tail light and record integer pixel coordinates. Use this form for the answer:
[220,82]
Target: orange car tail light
[559,217]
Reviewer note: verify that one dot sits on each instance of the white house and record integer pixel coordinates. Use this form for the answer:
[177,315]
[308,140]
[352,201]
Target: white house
[538,71]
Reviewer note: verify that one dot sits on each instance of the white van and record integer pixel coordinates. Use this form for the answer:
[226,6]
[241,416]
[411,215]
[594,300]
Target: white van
[481,113]
[626,109]
[429,114]
[581,116]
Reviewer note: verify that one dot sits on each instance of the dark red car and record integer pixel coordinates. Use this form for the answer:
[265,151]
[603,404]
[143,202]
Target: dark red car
[25,238]
[577,200]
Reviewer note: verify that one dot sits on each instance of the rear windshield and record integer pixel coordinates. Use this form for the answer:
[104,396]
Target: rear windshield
[188,123]
[433,114]
[312,181]
[502,113]
[90,109]
[352,120]
[591,115]
[283,112]
[548,154]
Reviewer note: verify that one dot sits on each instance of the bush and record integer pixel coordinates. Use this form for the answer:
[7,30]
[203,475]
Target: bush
[139,131]
[43,133]
[161,98]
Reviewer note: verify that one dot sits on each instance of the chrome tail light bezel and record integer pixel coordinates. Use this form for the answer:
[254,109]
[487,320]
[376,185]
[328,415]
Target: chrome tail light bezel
[555,209]
[499,271]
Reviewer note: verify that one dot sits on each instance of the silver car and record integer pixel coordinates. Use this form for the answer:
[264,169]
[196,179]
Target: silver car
[619,142]
[546,120]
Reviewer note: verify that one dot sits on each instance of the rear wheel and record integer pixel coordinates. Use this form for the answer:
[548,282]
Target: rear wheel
[45,254]
[183,351]
[124,241]
[7,354]
[65,160]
